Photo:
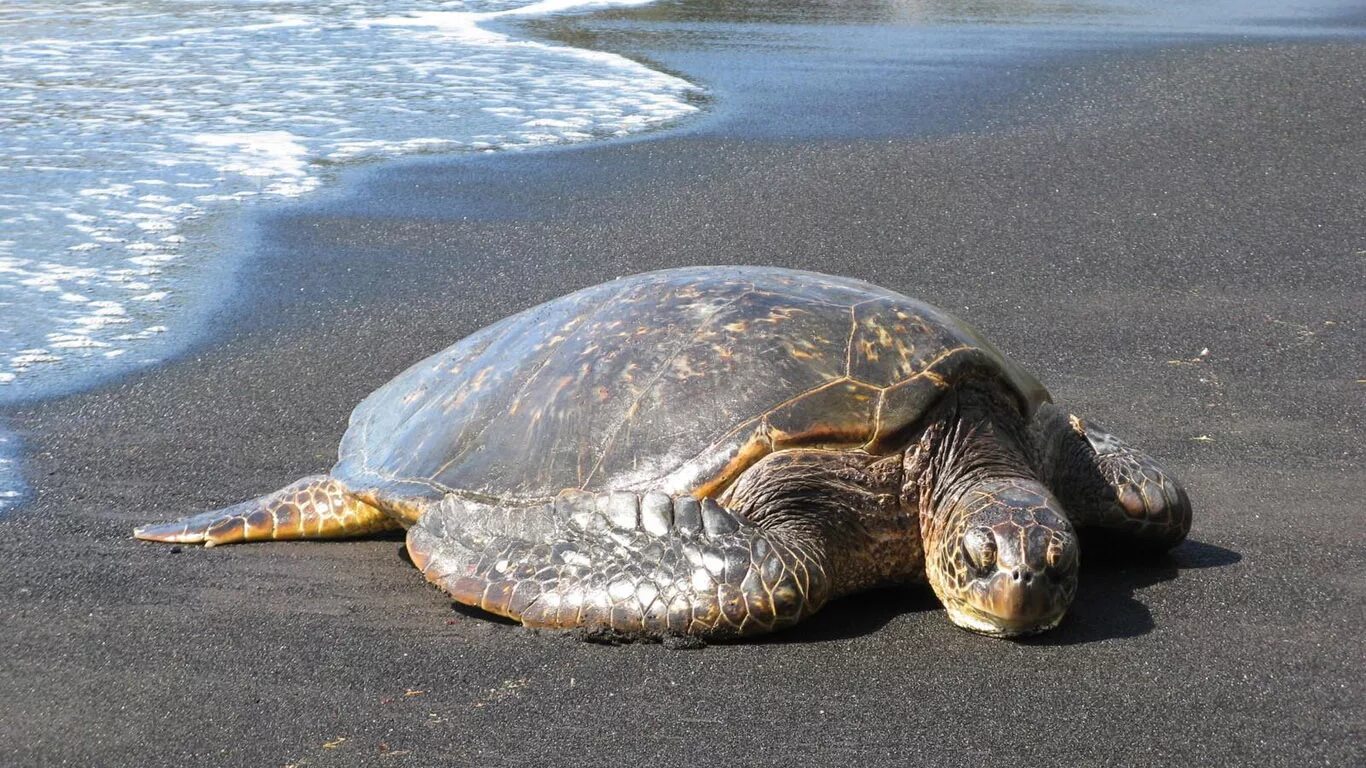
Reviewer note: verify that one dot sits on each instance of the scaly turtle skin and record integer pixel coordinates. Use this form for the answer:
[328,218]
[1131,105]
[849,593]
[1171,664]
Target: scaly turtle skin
[719,451]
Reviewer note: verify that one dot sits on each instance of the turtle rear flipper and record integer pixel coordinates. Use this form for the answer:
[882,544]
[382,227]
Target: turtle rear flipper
[647,565]
[317,507]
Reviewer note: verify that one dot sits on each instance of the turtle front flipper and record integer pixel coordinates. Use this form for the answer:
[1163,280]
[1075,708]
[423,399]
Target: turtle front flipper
[1107,485]
[646,565]
[317,507]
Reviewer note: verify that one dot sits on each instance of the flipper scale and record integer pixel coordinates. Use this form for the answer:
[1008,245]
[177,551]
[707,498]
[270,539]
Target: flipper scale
[592,561]
[317,507]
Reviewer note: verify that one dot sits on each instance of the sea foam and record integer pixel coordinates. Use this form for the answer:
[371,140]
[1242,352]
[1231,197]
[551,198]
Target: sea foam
[126,128]
[12,487]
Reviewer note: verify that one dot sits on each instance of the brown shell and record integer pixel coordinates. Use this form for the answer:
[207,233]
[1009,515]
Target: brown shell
[676,380]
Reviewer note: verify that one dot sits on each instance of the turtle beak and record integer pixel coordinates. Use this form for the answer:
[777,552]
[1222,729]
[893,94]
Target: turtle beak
[1004,608]
[1017,601]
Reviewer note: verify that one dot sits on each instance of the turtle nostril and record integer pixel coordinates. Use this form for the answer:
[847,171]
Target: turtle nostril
[1015,575]
[1028,577]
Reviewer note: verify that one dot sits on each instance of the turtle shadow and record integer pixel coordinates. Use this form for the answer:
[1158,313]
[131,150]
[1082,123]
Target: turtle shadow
[857,615]
[479,614]
[1105,607]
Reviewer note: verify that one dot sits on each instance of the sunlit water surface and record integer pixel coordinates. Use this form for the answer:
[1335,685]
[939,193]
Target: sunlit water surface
[125,126]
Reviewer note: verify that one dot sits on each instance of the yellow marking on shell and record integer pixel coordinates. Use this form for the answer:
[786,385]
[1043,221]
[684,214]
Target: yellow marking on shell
[928,370]
[682,365]
[877,420]
[745,457]
[759,445]
[480,378]
[849,343]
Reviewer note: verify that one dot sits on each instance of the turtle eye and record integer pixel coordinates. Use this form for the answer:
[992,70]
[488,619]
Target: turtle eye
[980,546]
[1061,553]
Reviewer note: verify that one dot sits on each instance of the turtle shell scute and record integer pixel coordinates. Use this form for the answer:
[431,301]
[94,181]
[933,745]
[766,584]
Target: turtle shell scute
[675,381]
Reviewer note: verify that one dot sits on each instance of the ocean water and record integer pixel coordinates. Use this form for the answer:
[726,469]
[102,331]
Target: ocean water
[128,126]
[12,489]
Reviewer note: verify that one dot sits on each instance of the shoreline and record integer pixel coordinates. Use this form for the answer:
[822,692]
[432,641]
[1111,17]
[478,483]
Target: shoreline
[98,248]
[1030,60]
[1177,202]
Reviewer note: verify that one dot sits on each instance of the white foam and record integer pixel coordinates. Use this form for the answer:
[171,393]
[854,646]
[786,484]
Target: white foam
[117,128]
[263,154]
[11,482]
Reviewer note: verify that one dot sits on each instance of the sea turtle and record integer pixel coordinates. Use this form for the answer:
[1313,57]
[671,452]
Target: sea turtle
[719,451]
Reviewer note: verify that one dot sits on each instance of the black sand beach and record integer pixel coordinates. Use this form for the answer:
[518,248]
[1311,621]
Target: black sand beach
[1171,239]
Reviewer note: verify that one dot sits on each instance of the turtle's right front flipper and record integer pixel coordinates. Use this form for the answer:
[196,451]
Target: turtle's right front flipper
[646,565]
[317,507]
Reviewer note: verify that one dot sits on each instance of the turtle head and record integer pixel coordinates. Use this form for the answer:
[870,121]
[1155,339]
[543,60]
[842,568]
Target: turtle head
[1004,562]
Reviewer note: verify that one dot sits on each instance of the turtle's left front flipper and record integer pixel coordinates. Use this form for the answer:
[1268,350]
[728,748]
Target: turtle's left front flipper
[638,564]
[318,507]
[1106,485]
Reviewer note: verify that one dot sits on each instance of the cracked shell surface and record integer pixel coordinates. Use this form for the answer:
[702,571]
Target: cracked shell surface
[674,381]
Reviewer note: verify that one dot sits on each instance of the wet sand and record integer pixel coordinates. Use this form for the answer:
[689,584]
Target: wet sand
[1172,241]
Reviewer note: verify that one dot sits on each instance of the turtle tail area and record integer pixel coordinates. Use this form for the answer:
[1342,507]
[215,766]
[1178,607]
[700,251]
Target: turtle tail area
[317,507]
